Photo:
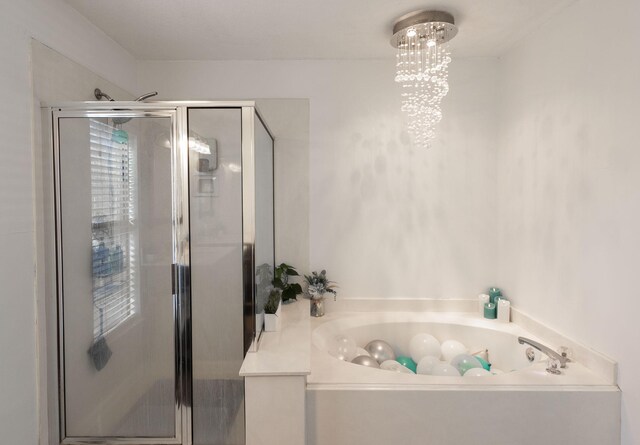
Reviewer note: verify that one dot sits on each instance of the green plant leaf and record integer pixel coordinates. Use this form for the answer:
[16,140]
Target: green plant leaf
[296,288]
[288,294]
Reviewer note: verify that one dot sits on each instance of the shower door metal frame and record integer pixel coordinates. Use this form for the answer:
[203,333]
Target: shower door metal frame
[179,268]
[249,116]
[178,112]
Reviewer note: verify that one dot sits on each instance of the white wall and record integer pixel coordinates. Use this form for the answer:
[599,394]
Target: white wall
[386,220]
[569,185]
[56,24]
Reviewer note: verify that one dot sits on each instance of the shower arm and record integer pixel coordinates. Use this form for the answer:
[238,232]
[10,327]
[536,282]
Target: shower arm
[100,95]
[147,96]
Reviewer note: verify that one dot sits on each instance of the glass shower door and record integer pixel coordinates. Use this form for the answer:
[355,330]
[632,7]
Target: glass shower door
[120,354]
[215,204]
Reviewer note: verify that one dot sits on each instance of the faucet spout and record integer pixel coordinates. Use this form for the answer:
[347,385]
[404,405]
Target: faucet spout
[563,359]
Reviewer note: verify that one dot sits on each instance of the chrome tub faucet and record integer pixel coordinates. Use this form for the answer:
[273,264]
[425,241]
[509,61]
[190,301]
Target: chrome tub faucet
[562,359]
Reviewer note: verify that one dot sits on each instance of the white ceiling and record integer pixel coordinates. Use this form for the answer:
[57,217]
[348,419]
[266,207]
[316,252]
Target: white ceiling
[302,29]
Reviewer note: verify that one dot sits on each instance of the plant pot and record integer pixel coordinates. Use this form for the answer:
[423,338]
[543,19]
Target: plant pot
[272,322]
[317,306]
[259,321]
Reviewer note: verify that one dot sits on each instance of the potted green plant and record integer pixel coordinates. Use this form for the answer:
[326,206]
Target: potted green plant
[319,285]
[272,311]
[288,290]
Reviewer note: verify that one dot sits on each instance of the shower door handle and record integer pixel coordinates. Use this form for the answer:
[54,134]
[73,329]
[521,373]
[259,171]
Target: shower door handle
[180,279]
[174,280]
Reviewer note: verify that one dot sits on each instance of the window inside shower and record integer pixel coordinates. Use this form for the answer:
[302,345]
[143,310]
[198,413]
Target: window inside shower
[113,226]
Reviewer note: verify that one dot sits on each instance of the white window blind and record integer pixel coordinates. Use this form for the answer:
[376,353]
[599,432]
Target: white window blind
[113,219]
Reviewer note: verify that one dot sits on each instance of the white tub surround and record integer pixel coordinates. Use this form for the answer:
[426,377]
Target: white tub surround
[526,407]
[450,416]
[275,381]
[296,393]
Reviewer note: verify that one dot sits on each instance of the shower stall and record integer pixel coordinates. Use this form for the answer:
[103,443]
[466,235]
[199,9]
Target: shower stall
[160,236]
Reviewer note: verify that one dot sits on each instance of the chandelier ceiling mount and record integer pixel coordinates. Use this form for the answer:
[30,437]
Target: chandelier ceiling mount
[441,21]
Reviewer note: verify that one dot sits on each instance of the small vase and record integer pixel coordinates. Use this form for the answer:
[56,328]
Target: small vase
[317,306]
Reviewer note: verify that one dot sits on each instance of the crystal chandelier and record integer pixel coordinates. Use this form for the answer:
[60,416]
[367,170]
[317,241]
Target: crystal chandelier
[422,69]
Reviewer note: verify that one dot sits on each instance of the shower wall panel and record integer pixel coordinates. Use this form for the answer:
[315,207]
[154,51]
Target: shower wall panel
[216,276]
[264,248]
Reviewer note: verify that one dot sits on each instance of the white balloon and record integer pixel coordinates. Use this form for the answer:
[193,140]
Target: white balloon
[425,366]
[451,348]
[343,348]
[476,372]
[464,362]
[362,351]
[392,365]
[445,369]
[423,345]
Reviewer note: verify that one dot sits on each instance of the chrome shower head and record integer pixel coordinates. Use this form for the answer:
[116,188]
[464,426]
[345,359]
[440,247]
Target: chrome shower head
[121,120]
[100,95]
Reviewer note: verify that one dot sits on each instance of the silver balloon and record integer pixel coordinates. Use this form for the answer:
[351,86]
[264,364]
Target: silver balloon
[380,350]
[365,360]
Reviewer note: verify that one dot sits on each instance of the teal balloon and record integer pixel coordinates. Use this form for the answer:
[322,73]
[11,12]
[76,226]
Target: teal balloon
[485,364]
[407,362]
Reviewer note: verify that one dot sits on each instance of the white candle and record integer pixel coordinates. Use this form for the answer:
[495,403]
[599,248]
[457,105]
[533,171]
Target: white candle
[482,299]
[504,311]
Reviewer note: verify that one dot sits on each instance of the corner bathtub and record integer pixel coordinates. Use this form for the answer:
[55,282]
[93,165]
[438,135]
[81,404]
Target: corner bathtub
[353,404]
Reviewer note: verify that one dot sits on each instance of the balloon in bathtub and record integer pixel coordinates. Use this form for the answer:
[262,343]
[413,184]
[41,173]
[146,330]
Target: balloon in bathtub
[445,370]
[476,372]
[485,364]
[425,366]
[343,348]
[451,348]
[366,360]
[407,362]
[392,365]
[362,351]
[465,362]
[423,345]
[380,350]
